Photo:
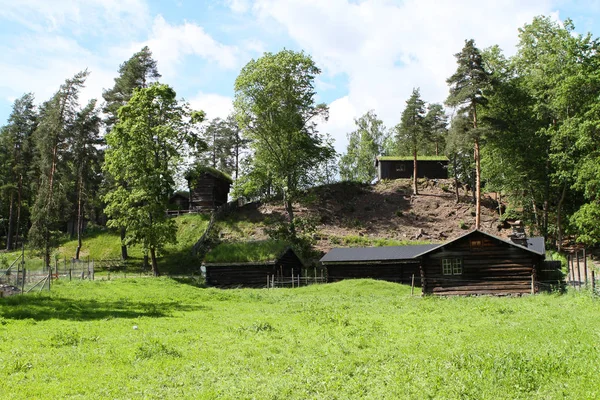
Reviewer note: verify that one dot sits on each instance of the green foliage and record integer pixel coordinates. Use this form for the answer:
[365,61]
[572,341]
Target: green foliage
[144,149]
[365,241]
[352,339]
[275,108]
[196,171]
[256,251]
[410,158]
[364,144]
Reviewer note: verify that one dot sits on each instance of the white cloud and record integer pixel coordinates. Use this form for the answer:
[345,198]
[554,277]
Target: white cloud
[385,48]
[238,6]
[170,44]
[214,105]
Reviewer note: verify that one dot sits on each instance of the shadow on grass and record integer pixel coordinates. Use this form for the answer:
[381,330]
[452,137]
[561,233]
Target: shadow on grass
[41,308]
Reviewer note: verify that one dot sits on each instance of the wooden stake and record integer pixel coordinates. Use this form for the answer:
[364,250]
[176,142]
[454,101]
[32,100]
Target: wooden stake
[532,284]
[585,269]
[412,285]
[593,282]
[578,270]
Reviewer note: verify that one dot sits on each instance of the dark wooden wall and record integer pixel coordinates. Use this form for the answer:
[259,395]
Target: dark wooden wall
[208,192]
[496,268]
[400,272]
[389,169]
[253,275]
[179,202]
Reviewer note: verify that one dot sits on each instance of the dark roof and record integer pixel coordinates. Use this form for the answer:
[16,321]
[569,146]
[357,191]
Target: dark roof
[533,244]
[376,253]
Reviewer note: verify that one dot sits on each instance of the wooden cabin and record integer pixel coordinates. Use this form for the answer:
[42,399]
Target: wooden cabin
[252,274]
[475,263]
[179,201]
[208,188]
[480,263]
[402,167]
[389,263]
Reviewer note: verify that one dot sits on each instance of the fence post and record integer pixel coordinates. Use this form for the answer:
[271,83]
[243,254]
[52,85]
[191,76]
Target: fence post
[578,270]
[585,269]
[70,274]
[593,282]
[569,280]
[23,282]
[532,284]
[412,285]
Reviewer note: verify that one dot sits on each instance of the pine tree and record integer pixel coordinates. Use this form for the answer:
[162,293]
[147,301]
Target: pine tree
[15,142]
[412,128]
[436,123]
[51,137]
[467,87]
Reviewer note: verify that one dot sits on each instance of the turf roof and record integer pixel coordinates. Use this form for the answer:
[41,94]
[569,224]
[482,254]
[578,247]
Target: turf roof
[198,170]
[244,252]
[410,158]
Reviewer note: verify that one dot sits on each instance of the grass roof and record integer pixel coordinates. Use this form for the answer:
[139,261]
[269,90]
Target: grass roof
[198,170]
[410,158]
[243,252]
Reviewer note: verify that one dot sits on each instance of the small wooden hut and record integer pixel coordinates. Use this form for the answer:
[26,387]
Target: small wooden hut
[249,264]
[431,167]
[208,188]
[179,201]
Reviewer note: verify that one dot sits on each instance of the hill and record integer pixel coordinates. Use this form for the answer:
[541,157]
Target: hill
[342,214]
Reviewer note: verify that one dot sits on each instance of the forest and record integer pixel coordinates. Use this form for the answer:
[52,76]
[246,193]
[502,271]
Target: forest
[526,127]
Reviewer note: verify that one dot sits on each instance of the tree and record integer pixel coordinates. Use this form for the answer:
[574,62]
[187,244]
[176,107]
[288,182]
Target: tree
[225,145]
[364,145]
[467,87]
[143,150]
[15,142]
[86,158]
[51,137]
[457,151]
[276,110]
[436,125]
[412,128]
[137,72]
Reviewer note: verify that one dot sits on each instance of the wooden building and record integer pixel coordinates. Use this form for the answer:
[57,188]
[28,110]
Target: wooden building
[389,263]
[480,263]
[475,263]
[179,201]
[402,167]
[252,274]
[208,188]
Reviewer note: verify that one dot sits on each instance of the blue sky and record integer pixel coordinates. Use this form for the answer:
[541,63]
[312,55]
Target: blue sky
[372,53]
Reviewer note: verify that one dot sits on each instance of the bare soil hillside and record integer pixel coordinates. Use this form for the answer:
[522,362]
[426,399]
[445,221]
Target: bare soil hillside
[386,210]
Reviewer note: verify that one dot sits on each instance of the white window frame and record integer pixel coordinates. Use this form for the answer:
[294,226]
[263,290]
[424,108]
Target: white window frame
[452,266]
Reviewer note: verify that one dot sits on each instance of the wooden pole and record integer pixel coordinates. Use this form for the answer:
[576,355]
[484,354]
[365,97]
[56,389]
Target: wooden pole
[585,269]
[532,284]
[69,274]
[23,282]
[593,282]
[412,285]
[578,270]
[292,278]
[267,281]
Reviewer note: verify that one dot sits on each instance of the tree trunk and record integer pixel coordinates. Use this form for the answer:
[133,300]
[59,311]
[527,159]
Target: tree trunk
[79,218]
[437,148]
[559,235]
[154,263]
[477,173]
[19,201]
[124,255]
[500,205]
[535,213]
[289,208]
[11,218]
[477,186]
[415,187]
[455,179]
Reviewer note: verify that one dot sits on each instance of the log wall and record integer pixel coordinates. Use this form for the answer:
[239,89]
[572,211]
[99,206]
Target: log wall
[403,169]
[208,192]
[400,272]
[490,267]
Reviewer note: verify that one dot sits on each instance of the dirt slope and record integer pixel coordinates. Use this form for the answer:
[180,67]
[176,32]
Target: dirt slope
[386,210]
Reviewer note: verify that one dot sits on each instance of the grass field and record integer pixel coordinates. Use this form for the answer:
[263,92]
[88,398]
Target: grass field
[353,339]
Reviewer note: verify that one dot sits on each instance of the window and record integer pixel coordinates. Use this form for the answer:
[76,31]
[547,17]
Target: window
[400,168]
[476,244]
[452,266]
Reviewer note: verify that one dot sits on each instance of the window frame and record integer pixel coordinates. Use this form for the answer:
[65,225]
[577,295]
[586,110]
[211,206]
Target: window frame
[452,266]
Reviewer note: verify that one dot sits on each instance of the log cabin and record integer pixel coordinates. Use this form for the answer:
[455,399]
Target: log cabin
[473,264]
[208,188]
[252,269]
[402,167]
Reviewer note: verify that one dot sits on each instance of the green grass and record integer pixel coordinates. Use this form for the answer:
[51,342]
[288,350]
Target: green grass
[105,244]
[410,158]
[357,339]
[364,241]
[263,250]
